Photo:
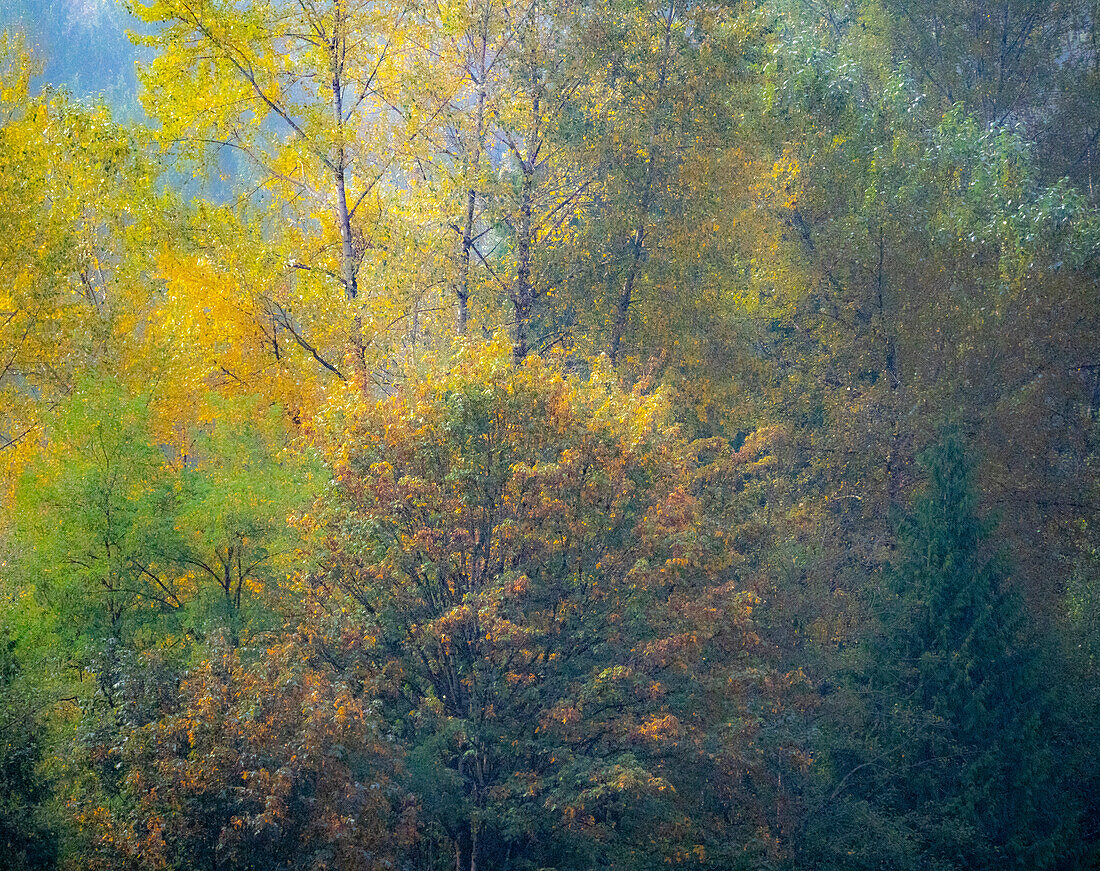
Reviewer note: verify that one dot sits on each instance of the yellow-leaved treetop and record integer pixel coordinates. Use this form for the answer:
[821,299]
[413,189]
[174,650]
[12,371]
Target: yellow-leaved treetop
[305,105]
[79,223]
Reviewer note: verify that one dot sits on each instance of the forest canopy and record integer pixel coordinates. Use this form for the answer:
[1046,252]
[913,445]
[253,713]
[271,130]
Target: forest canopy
[558,434]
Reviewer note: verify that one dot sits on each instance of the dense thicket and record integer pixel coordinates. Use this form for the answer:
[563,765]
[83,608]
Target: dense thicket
[555,435]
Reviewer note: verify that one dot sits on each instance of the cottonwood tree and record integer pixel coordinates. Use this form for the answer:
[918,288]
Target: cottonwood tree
[312,95]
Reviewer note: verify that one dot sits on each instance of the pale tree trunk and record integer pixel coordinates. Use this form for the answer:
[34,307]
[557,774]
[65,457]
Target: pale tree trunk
[522,292]
[463,289]
[343,216]
[348,265]
[347,253]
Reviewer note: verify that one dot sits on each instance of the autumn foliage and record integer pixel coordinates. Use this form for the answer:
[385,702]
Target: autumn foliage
[552,436]
[272,762]
[545,569]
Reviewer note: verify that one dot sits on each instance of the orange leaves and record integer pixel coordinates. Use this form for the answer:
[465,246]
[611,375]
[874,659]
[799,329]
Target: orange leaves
[697,854]
[257,758]
[663,730]
[679,650]
[563,713]
[537,557]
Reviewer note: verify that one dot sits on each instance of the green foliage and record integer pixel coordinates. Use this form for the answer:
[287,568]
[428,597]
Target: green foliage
[28,840]
[509,456]
[952,764]
[94,522]
[132,541]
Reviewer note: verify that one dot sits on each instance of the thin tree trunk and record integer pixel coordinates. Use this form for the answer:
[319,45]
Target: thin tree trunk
[618,326]
[463,289]
[347,252]
[343,216]
[637,242]
[462,316]
[521,294]
[348,265]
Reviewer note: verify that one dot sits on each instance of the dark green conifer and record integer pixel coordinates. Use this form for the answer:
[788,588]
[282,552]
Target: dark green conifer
[968,705]
[942,752]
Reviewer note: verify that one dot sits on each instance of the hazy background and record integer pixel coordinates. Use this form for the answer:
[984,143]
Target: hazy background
[84,44]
